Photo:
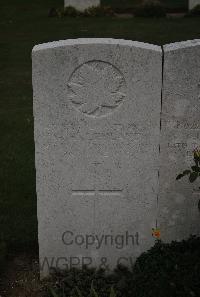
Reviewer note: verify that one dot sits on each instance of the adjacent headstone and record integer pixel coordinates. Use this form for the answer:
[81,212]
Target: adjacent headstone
[193,3]
[81,5]
[180,135]
[97,106]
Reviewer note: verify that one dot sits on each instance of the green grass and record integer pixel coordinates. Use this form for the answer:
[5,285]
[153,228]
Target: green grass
[22,25]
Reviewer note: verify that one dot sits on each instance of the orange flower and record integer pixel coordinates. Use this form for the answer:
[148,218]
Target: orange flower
[156,233]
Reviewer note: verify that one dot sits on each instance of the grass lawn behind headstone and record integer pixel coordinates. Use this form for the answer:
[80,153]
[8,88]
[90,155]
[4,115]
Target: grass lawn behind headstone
[22,25]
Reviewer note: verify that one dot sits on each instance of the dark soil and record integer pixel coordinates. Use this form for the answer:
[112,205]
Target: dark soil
[21,278]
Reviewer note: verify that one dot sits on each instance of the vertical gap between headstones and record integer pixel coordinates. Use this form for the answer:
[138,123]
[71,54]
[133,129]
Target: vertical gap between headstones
[161,103]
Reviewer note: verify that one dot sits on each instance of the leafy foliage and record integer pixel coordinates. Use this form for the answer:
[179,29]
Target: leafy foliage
[99,11]
[71,11]
[194,173]
[85,282]
[96,11]
[54,12]
[150,8]
[165,270]
[169,270]
[77,292]
[195,11]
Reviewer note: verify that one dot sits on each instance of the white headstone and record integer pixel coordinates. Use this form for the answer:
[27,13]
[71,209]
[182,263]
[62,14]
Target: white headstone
[178,200]
[193,3]
[81,5]
[97,106]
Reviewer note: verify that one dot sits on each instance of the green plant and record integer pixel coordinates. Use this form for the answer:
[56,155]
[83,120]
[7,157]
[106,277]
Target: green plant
[150,8]
[195,11]
[53,293]
[194,172]
[71,11]
[112,292]
[94,11]
[167,269]
[99,11]
[77,292]
[56,12]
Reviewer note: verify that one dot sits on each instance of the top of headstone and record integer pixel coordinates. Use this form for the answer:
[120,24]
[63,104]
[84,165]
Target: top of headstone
[181,45]
[82,41]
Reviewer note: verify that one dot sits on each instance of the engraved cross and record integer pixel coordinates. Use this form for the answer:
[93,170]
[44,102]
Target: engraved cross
[100,192]
[96,191]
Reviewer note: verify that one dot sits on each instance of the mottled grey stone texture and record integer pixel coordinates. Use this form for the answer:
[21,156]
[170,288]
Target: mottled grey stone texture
[81,5]
[97,106]
[193,3]
[178,212]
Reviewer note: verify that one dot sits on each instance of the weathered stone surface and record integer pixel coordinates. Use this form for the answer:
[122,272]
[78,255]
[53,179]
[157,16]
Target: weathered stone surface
[81,5]
[178,212]
[193,3]
[97,106]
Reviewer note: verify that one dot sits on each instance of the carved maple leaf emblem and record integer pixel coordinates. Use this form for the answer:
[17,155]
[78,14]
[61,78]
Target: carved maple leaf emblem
[96,88]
